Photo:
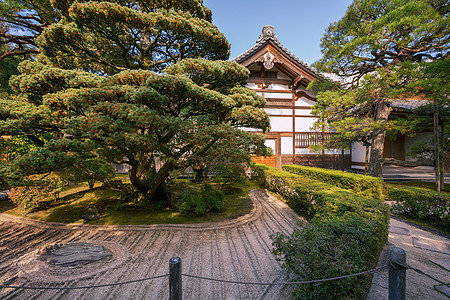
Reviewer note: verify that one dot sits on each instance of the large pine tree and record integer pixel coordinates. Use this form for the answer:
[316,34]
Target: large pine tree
[126,81]
[377,48]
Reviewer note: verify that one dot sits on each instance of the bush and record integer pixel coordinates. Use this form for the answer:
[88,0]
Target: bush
[37,195]
[363,185]
[202,202]
[326,250]
[227,174]
[98,166]
[421,203]
[346,235]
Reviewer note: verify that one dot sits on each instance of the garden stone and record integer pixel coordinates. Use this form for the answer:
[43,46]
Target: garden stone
[91,213]
[74,254]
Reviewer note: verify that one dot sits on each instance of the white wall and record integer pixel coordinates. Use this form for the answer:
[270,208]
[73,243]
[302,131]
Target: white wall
[304,124]
[277,95]
[281,124]
[279,111]
[286,145]
[302,101]
[358,152]
[303,112]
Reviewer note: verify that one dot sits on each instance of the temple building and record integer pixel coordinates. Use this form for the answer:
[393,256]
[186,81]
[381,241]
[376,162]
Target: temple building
[281,78]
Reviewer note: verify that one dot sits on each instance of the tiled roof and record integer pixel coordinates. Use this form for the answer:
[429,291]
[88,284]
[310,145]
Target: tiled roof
[266,35]
[409,104]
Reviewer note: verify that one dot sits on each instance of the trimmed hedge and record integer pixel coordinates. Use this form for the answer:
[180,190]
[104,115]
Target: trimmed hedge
[363,185]
[345,235]
[421,203]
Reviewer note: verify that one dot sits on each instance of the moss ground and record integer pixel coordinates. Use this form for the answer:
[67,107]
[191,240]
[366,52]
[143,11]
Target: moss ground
[74,200]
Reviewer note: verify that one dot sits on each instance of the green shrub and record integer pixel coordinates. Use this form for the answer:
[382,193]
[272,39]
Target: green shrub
[326,250]
[421,203]
[37,195]
[346,235]
[363,185]
[202,202]
[95,165]
[227,174]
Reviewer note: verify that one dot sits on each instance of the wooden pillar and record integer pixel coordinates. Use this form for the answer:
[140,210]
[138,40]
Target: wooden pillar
[294,98]
[397,274]
[278,152]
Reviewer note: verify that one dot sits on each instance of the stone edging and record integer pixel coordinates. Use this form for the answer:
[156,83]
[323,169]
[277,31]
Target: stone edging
[254,214]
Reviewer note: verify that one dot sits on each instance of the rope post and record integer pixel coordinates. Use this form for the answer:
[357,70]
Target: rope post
[175,286]
[397,274]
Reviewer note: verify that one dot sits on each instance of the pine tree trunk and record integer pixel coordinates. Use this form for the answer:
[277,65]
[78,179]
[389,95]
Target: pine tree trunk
[444,156]
[437,166]
[376,154]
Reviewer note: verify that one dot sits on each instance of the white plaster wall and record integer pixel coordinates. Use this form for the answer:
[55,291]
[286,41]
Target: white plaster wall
[286,145]
[275,86]
[358,152]
[303,112]
[280,124]
[278,95]
[250,129]
[271,144]
[302,101]
[252,85]
[304,124]
[279,111]
[306,151]
[358,167]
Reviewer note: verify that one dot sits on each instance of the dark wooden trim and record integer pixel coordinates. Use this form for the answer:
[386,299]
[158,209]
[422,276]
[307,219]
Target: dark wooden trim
[307,96]
[273,91]
[287,106]
[270,81]
[275,134]
[357,163]
[279,99]
[290,116]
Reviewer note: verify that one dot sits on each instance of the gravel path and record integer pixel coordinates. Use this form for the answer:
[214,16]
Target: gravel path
[232,250]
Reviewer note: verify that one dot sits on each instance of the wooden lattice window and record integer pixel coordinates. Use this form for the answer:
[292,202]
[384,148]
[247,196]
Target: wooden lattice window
[307,139]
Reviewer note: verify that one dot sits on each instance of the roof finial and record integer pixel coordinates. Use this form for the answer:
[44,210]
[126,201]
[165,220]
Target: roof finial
[267,33]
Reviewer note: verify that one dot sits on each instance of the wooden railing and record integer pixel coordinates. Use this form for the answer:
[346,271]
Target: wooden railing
[307,139]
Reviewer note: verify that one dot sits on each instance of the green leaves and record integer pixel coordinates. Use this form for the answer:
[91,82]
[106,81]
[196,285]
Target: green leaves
[111,37]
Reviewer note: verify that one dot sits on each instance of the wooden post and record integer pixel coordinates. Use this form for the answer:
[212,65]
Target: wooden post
[397,274]
[175,286]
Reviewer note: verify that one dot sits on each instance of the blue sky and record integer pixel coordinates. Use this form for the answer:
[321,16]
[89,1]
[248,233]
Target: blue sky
[299,24]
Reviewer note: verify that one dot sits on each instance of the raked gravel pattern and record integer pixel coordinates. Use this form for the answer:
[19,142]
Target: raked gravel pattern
[238,250]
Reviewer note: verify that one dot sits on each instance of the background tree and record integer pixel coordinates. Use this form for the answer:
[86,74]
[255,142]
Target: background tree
[21,22]
[119,82]
[375,47]
[433,80]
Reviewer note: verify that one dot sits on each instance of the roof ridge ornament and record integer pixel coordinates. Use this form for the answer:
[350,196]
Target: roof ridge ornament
[267,33]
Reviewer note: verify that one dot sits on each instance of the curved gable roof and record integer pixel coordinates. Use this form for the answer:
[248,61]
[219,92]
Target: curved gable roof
[268,41]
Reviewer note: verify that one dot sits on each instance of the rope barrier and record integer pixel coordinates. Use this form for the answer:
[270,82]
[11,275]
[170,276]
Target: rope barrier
[397,266]
[80,287]
[391,265]
[291,282]
[431,277]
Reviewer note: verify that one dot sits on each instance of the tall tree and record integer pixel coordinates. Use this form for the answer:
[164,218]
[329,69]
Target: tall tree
[122,81]
[433,80]
[375,47]
[21,22]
